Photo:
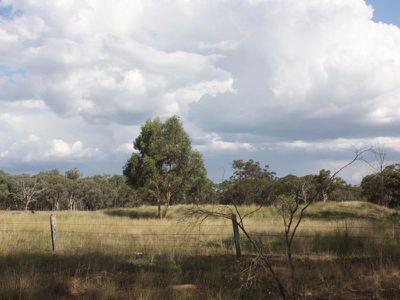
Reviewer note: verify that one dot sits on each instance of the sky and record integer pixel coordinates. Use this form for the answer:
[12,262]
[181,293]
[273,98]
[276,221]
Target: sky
[294,84]
[387,11]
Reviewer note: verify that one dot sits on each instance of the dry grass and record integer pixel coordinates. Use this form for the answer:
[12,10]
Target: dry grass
[127,253]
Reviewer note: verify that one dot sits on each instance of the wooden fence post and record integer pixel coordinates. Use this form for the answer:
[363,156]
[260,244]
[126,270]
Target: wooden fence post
[236,236]
[53,231]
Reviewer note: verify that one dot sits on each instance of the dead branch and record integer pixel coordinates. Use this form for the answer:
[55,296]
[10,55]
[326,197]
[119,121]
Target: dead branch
[292,215]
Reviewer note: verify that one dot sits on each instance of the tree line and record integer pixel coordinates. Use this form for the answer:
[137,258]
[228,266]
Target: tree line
[52,190]
[165,170]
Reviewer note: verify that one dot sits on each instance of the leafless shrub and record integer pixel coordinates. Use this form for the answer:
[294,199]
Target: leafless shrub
[292,209]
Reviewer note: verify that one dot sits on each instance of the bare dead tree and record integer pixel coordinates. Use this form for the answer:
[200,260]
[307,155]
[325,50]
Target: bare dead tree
[262,259]
[25,193]
[292,210]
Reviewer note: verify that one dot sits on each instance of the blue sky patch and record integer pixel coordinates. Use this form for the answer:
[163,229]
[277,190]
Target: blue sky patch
[7,12]
[11,73]
[387,11]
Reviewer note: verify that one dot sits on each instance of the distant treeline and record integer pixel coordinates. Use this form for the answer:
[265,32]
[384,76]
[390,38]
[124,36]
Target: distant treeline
[250,184]
[52,190]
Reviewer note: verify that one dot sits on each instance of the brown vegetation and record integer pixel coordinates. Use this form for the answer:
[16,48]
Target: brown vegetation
[347,250]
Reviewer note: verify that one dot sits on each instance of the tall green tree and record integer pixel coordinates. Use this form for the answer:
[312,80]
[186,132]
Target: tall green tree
[164,163]
[324,183]
[383,188]
[54,189]
[295,187]
[250,183]
[4,191]
[72,185]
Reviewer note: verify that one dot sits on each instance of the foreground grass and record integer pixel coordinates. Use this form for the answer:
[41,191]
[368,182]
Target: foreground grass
[343,250]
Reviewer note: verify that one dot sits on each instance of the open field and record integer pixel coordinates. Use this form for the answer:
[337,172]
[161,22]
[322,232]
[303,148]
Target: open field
[343,250]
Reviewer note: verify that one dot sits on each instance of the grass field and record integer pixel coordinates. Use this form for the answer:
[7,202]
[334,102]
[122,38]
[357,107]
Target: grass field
[343,250]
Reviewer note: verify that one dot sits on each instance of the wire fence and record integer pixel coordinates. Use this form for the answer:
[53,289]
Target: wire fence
[180,237]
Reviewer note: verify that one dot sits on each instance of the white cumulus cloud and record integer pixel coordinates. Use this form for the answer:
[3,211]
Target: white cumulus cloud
[246,77]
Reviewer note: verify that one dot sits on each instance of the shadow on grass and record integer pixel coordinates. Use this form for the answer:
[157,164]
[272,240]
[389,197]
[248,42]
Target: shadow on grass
[341,244]
[99,276]
[338,215]
[132,214]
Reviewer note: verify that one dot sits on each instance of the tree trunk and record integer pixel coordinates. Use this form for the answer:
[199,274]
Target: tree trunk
[27,205]
[304,193]
[158,196]
[28,200]
[159,207]
[56,204]
[382,190]
[293,278]
[72,203]
[325,196]
[168,197]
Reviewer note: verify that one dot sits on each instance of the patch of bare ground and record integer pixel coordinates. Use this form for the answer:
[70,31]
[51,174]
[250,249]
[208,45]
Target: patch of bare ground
[183,287]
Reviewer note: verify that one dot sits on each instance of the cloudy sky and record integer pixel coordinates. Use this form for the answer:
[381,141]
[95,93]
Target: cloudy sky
[295,84]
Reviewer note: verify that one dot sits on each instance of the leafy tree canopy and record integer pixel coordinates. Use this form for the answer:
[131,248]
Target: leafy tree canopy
[383,187]
[164,165]
[250,183]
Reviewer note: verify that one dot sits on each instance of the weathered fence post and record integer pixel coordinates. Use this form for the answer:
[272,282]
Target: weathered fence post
[53,231]
[236,236]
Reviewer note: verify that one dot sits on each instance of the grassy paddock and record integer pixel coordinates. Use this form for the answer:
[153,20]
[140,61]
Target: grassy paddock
[341,249]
